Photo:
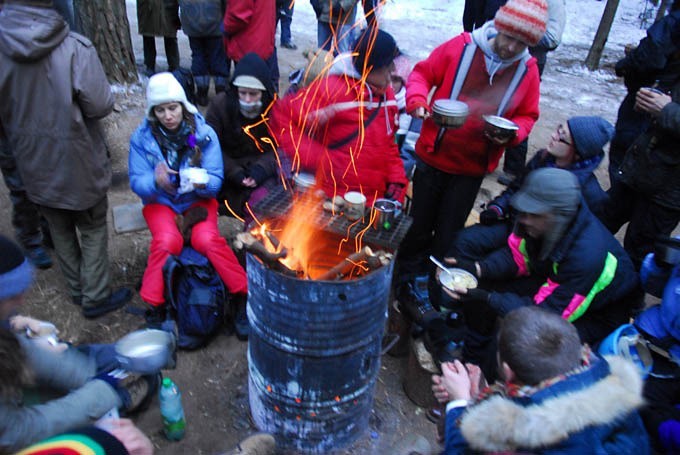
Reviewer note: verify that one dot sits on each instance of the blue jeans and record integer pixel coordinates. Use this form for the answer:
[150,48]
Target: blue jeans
[208,57]
[343,37]
[285,15]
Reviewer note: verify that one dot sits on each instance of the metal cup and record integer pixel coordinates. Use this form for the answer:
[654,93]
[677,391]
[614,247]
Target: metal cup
[387,212]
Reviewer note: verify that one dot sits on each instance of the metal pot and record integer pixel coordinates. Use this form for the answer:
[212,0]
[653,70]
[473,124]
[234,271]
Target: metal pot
[449,113]
[500,127]
[387,212]
[303,181]
[146,351]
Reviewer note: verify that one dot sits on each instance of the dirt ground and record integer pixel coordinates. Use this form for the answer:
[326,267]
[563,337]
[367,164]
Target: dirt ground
[214,380]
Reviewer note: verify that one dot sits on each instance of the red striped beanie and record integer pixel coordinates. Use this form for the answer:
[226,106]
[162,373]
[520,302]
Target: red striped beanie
[524,20]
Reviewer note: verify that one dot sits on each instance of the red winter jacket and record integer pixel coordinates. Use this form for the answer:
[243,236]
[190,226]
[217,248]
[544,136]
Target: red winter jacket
[329,110]
[249,26]
[465,151]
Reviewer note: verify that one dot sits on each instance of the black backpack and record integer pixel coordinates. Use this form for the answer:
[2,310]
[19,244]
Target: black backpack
[196,296]
[186,80]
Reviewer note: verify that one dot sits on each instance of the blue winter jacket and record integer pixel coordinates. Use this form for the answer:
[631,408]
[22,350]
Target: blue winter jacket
[145,154]
[591,190]
[589,412]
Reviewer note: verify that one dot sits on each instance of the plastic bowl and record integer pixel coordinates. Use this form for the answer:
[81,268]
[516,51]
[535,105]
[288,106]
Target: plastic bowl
[145,351]
[500,127]
[449,113]
[457,278]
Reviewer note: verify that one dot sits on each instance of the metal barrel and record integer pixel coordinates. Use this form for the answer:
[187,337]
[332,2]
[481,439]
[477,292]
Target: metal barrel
[314,355]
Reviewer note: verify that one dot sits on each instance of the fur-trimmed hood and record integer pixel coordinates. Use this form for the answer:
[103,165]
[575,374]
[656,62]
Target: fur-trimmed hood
[554,414]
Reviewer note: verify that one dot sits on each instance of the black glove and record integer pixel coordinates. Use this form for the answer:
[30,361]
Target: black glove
[257,173]
[476,295]
[493,214]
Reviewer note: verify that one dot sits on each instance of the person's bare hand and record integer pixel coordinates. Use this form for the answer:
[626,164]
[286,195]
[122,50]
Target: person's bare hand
[439,390]
[132,437]
[249,182]
[651,101]
[456,380]
[420,112]
[477,379]
[162,175]
[496,140]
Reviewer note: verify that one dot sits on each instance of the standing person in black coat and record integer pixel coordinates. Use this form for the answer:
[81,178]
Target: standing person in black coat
[644,165]
[159,18]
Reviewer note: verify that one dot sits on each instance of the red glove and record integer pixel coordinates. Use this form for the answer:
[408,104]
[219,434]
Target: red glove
[395,191]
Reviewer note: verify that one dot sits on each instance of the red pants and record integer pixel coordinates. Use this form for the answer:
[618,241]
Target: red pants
[205,238]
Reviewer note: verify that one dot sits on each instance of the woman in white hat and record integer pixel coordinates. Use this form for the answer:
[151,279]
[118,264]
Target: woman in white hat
[175,166]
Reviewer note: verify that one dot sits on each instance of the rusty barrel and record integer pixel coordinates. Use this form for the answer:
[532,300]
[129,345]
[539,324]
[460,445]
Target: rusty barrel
[314,355]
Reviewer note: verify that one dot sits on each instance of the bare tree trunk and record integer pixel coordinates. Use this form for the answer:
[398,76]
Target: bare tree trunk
[662,9]
[595,53]
[105,23]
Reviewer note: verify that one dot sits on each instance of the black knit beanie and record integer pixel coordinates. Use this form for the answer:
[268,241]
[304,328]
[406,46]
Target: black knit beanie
[374,50]
[16,274]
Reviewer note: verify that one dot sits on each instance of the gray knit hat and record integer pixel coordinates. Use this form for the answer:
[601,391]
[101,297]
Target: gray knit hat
[548,190]
[590,135]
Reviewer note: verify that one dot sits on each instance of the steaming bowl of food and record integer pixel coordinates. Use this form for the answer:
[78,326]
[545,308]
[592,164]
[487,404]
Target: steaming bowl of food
[457,278]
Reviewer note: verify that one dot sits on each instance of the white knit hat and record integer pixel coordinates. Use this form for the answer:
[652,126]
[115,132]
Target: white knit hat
[164,88]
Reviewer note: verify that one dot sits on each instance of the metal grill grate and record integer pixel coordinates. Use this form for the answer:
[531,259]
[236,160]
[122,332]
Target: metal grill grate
[278,204]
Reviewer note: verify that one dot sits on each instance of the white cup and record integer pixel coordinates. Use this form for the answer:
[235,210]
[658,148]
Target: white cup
[355,205]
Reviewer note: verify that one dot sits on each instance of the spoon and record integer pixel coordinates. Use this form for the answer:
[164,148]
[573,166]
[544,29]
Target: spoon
[440,265]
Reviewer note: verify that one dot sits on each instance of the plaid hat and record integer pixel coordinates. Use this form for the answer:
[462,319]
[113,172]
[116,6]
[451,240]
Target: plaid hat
[590,135]
[525,20]
[16,274]
[165,88]
[373,50]
[548,190]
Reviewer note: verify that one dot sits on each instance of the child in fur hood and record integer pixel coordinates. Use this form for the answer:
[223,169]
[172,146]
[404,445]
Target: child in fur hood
[556,397]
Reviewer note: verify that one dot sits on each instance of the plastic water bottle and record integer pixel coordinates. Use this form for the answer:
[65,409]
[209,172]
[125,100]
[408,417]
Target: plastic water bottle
[171,410]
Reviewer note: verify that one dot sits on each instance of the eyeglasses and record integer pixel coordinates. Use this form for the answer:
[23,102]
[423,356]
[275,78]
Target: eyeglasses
[562,135]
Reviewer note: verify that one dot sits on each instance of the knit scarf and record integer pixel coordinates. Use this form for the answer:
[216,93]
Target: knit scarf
[511,390]
[173,144]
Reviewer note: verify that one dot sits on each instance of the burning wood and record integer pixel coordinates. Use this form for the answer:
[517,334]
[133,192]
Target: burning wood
[256,247]
[365,259]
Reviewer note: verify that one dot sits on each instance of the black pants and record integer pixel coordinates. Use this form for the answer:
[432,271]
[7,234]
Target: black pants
[646,219]
[441,204]
[171,52]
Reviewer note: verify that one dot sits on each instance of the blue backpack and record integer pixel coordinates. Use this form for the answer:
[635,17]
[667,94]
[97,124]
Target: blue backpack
[197,297]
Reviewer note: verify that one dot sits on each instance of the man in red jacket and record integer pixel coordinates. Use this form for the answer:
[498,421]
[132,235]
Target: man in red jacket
[341,127]
[492,71]
[250,26]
